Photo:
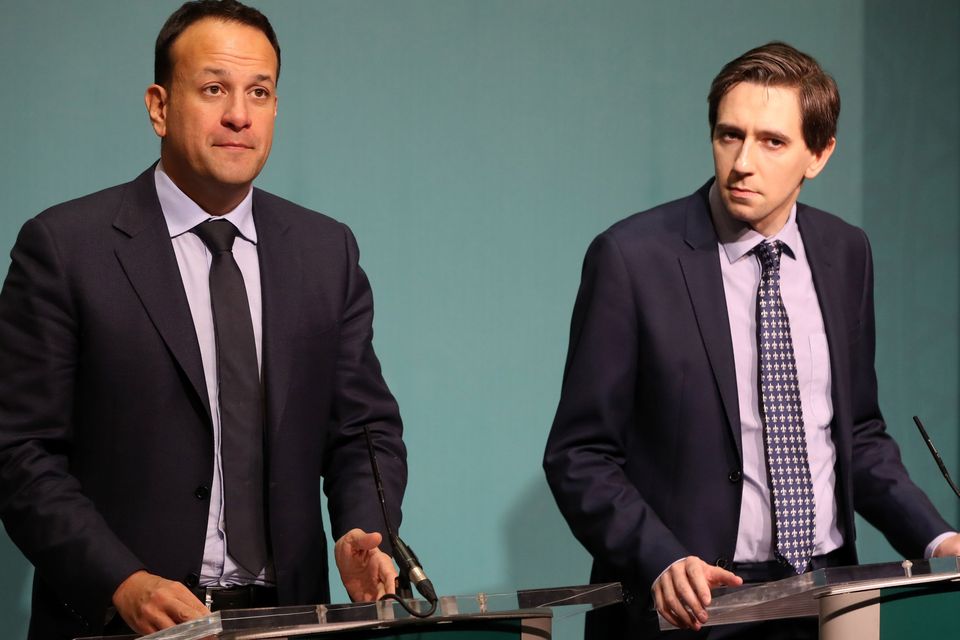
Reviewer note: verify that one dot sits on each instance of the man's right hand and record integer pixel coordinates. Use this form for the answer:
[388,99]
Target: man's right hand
[682,591]
[149,603]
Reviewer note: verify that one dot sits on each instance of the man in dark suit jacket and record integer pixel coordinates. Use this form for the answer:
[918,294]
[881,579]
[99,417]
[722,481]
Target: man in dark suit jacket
[110,473]
[656,456]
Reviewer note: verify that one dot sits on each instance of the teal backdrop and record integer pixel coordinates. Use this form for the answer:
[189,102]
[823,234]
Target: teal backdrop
[475,147]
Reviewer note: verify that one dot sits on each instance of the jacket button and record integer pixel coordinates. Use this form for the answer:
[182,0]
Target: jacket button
[192,580]
[723,563]
[735,476]
[202,492]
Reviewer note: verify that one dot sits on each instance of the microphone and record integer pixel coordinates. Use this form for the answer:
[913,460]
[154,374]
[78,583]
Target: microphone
[411,570]
[936,456]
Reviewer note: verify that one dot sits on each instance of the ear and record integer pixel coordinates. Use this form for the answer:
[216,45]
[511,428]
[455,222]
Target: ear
[155,99]
[820,160]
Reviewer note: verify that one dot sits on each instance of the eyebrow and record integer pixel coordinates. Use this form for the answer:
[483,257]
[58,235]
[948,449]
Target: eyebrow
[762,133]
[223,73]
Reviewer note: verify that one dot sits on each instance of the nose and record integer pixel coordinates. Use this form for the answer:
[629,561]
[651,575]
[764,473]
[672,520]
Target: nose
[236,116]
[744,162]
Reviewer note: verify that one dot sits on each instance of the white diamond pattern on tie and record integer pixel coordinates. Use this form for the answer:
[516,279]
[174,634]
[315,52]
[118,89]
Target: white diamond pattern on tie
[785,442]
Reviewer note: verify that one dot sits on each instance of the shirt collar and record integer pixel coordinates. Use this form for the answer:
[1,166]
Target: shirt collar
[182,214]
[737,238]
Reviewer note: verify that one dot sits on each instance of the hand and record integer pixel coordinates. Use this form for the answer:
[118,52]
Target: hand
[683,590]
[367,572]
[149,603]
[949,547]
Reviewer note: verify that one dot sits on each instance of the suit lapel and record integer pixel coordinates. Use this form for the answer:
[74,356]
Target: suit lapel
[820,250]
[701,272]
[147,258]
[280,278]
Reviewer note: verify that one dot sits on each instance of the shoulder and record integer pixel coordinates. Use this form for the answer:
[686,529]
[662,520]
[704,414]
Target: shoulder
[659,232]
[825,221]
[292,214]
[830,230]
[283,221]
[86,210]
[664,219]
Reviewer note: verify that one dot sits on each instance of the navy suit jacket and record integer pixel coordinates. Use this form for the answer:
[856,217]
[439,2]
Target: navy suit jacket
[644,457]
[106,447]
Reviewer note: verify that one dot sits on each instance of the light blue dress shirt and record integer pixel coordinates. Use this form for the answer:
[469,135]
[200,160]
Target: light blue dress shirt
[181,215]
[741,277]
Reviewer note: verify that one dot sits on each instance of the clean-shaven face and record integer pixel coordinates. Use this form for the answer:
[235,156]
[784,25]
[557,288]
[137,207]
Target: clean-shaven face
[216,119]
[760,156]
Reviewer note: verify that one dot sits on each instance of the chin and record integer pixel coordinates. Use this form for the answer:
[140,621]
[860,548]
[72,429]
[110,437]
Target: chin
[236,178]
[741,213]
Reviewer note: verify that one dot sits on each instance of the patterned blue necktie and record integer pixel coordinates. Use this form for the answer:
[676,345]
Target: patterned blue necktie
[784,438]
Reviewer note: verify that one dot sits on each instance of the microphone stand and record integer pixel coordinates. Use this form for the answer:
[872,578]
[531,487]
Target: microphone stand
[410,569]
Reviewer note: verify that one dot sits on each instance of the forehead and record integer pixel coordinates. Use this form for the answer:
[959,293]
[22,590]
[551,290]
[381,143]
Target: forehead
[225,44]
[752,105]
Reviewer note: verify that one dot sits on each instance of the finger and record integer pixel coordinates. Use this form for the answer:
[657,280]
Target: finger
[668,604]
[189,600]
[173,603]
[686,594]
[152,619]
[387,574]
[696,590]
[717,577]
[390,586]
[185,612]
[658,603]
[671,599]
[165,620]
[172,611]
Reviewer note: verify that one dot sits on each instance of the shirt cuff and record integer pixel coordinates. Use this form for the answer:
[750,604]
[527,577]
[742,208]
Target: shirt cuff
[928,553]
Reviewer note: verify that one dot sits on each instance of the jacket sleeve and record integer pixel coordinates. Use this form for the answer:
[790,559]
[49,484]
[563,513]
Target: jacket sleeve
[42,504]
[361,399]
[883,492]
[586,451]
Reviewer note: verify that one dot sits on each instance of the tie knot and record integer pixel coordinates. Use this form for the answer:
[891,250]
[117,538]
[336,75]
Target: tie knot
[218,235]
[769,255]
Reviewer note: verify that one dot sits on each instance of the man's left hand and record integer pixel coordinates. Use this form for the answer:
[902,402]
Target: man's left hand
[366,571]
[949,547]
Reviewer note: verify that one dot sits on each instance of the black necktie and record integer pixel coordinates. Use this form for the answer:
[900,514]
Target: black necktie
[241,402]
[784,438]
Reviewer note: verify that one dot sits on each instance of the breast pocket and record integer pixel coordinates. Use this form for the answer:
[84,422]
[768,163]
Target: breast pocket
[821,405]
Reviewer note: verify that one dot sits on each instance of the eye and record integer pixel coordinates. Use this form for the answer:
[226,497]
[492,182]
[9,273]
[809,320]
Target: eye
[260,92]
[775,143]
[728,136]
[213,90]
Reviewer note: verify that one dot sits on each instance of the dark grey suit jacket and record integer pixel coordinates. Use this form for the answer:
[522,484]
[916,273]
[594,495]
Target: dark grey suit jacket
[106,448]
[644,457]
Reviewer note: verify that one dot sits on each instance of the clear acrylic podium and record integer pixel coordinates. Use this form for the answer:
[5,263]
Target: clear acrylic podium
[524,615]
[911,599]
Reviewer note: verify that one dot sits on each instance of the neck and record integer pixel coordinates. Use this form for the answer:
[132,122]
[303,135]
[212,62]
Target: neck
[773,223]
[216,201]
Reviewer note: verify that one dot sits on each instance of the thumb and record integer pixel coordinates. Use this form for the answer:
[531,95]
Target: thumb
[363,541]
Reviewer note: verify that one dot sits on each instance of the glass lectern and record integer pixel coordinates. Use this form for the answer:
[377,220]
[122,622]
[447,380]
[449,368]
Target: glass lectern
[916,599]
[524,615]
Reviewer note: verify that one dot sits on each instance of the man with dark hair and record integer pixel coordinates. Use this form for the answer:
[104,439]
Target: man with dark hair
[184,361]
[719,421]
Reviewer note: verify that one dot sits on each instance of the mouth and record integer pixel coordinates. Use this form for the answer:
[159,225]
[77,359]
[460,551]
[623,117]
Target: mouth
[233,146]
[741,193]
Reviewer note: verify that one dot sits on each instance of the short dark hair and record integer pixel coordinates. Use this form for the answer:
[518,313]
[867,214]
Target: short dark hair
[196,10]
[778,64]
